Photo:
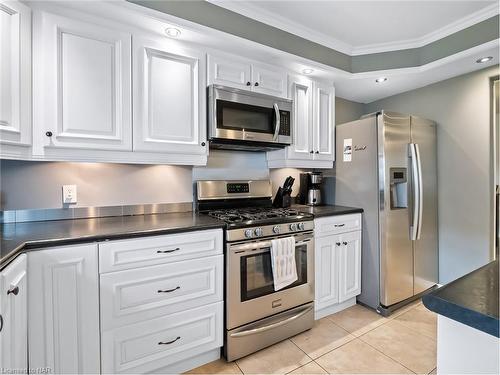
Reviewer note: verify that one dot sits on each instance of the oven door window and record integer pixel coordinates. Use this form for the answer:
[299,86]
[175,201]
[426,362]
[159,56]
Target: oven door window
[257,274]
[250,118]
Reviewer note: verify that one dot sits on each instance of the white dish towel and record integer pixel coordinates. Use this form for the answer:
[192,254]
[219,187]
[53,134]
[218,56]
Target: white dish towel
[283,262]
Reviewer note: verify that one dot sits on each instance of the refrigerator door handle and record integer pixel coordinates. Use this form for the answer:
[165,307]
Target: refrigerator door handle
[420,191]
[416,193]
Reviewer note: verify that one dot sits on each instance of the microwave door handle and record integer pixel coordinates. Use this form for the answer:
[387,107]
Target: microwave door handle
[277,122]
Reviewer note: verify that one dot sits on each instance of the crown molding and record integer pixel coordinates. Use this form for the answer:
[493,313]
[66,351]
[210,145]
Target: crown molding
[245,8]
[452,28]
[249,10]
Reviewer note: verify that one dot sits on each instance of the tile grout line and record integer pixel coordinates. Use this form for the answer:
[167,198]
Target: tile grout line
[387,355]
[324,369]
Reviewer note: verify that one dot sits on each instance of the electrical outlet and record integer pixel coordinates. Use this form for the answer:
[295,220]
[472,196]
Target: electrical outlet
[69,194]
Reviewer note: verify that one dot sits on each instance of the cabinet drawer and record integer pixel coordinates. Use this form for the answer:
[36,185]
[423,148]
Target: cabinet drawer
[147,251]
[136,295]
[326,226]
[157,343]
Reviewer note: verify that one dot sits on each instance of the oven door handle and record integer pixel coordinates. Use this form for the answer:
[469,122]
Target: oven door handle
[272,326]
[253,246]
[277,121]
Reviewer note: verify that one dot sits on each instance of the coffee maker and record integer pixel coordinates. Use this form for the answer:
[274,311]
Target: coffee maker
[310,188]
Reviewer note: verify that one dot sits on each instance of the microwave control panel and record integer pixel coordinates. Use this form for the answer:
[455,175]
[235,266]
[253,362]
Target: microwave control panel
[284,123]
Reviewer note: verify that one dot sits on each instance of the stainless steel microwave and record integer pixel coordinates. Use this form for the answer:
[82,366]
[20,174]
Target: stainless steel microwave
[239,119]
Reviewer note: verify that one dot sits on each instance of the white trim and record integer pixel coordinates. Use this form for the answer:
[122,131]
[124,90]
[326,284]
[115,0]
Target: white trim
[247,9]
[318,314]
[458,25]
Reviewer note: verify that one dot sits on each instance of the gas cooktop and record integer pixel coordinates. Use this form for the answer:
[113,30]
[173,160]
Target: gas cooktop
[251,216]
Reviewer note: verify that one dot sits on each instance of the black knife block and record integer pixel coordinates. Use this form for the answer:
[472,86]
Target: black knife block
[282,200]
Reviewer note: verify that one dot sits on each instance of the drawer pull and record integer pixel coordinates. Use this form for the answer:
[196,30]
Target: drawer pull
[14,291]
[169,290]
[168,251]
[345,243]
[339,225]
[169,342]
[337,243]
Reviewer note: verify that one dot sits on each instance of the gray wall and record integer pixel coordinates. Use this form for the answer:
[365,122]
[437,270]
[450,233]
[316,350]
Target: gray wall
[461,107]
[26,185]
[347,110]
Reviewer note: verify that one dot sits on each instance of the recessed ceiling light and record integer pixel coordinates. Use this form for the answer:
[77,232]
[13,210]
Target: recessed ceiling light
[381,79]
[307,71]
[484,59]
[172,32]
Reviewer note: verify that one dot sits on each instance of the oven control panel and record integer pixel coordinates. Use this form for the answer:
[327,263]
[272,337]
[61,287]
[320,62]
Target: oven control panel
[269,230]
[237,187]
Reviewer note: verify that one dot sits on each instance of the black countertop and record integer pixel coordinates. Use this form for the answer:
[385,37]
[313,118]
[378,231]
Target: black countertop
[327,210]
[18,237]
[471,299]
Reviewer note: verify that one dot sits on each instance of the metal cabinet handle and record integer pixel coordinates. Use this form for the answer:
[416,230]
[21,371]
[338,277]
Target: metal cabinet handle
[339,225]
[311,152]
[14,291]
[317,152]
[338,243]
[345,243]
[48,134]
[249,83]
[169,342]
[256,83]
[169,290]
[168,251]
[1,323]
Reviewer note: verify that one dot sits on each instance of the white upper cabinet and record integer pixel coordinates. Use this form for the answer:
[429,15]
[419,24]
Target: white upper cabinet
[83,84]
[227,72]
[301,92]
[269,81]
[324,122]
[15,73]
[14,311]
[313,126]
[169,98]
[250,75]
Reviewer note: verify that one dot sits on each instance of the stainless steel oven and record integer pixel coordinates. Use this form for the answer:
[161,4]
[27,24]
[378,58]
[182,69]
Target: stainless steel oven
[256,314]
[239,119]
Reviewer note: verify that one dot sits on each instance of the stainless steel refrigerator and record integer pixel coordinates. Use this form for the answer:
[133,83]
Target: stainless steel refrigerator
[386,164]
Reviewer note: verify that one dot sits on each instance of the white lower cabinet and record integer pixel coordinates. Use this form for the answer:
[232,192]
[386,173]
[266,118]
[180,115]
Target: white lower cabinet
[63,317]
[337,265]
[13,312]
[155,344]
[164,312]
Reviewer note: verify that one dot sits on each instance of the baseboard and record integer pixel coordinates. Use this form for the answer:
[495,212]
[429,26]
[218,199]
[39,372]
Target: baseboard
[191,363]
[318,314]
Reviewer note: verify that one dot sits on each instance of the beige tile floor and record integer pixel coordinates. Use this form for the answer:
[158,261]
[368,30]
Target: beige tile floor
[354,341]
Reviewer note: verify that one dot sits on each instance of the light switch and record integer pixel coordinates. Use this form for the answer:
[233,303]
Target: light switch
[69,194]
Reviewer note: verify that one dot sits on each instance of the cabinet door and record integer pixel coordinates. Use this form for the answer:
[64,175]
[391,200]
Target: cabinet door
[229,72]
[63,323]
[13,309]
[15,73]
[350,266]
[169,98]
[269,81]
[324,122]
[82,72]
[326,274]
[300,90]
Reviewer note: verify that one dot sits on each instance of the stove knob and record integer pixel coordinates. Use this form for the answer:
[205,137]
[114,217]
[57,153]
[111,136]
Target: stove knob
[258,232]
[248,233]
[293,227]
[276,229]
[301,226]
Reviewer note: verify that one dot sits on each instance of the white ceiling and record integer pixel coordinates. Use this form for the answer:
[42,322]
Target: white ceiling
[358,27]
